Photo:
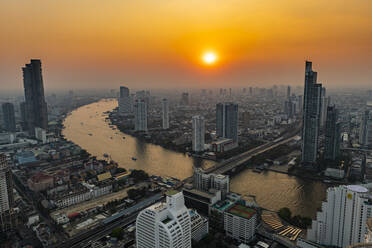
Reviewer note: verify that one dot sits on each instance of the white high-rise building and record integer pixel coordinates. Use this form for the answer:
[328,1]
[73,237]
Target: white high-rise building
[6,194]
[165,113]
[343,218]
[140,115]
[124,101]
[164,225]
[198,133]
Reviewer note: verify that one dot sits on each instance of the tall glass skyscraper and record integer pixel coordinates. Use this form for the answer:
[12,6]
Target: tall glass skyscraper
[36,107]
[311,116]
[227,120]
[332,134]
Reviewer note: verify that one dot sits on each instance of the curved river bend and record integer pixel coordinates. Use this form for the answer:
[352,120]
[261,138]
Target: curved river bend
[86,126]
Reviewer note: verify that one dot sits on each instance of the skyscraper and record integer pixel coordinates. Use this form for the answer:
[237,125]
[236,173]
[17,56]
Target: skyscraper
[9,117]
[6,194]
[165,113]
[198,133]
[140,115]
[332,134]
[288,92]
[165,225]
[185,99]
[124,101]
[342,220]
[311,116]
[227,120]
[325,101]
[36,107]
[365,131]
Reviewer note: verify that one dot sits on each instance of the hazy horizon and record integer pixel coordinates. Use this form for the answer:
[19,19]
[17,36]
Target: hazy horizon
[151,44]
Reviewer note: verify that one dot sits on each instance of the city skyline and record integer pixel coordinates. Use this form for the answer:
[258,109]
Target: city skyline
[101,45]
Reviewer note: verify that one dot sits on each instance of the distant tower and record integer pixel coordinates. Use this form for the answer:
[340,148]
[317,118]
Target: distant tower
[164,225]
[332,134]
[124,101]
[6,194]
[185,99]
[311,116]
[140,116]
[288,92]
[227,120]
[165,113]
[9,117]
[36,107]
[198,133]
[365,131]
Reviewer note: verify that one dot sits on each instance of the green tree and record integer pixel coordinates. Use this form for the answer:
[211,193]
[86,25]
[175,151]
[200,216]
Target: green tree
[117,233]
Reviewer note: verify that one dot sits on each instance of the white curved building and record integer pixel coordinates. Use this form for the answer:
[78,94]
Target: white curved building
[165,225]
[343,219]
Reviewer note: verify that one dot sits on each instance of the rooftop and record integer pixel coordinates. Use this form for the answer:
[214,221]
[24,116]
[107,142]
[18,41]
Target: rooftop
[242,211]
[171,192]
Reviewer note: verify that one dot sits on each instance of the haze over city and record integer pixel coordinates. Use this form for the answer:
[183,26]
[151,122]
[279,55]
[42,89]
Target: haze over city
[185,124]
[160,44]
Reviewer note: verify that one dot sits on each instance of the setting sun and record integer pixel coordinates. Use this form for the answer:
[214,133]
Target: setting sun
[209,58]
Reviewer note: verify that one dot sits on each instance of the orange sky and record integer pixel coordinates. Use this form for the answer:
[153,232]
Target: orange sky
[158,43]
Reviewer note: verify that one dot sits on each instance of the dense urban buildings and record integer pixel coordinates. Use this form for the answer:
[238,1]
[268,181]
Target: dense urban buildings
[124,101]
[332,134]
[343,218]
[140,115]
[198,133]
[311,116]
[36,107]
[227,121]
[165,113]
[165,224]
[9,117]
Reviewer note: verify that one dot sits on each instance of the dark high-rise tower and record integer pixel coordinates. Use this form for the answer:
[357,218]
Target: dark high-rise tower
[332,134]
[227,120]
[288,92]
[311,116]
[9,117]
[36,107]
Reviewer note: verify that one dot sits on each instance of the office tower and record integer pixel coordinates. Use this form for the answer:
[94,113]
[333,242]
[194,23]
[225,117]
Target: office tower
[140,115]
[332,134]
[289,108]
[36,107]
[325,101]
[124,101]
[250,91]
[227,120]
[198,133]
[230,92]
[23,116]
[9,117]
[288,92]
[221,92]
[165,113]
[311,116]
[6,194]
[164,225]
[342,220]
[185,98]
[365,131]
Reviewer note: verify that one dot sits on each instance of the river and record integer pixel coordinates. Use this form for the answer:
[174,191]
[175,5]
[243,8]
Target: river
[87,127]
